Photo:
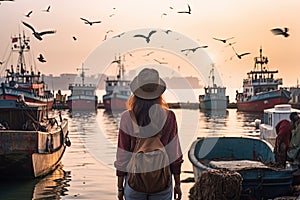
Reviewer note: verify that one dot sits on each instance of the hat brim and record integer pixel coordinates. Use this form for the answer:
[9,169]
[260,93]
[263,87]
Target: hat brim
[139,92]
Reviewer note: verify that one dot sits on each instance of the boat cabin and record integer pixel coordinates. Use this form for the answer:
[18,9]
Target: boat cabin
[85,90]
[16,115]
[118,86]
[271,117]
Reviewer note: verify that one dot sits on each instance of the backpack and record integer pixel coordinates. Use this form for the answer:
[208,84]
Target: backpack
[148,168]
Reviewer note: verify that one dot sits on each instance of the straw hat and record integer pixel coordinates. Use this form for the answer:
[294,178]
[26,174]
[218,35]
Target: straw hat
[147,84]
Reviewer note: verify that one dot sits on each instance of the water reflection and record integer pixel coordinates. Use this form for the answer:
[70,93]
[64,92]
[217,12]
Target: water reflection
[52,186]
[94,139]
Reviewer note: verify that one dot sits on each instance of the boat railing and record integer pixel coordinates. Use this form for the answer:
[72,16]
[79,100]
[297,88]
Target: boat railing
[263,81]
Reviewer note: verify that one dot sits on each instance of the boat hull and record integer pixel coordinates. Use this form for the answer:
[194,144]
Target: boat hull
[13,94]
[82,104]
[32,153]
[216,104]
[260,180]
[115,102]
[265,101]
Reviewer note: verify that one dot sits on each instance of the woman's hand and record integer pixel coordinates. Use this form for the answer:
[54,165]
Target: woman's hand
[177,192]
[120,187]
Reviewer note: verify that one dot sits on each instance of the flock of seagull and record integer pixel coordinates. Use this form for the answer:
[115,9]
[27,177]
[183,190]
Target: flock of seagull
[39,35]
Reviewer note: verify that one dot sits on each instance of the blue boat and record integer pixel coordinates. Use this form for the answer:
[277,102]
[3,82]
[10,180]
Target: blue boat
[214,97]
[249,156]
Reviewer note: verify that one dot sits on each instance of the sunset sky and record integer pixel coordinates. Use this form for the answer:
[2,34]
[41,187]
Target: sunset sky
[248,21]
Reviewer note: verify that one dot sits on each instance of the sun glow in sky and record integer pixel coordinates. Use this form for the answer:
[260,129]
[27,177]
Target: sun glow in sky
[248,21]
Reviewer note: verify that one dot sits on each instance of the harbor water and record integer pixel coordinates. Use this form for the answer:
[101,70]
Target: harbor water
[87,170]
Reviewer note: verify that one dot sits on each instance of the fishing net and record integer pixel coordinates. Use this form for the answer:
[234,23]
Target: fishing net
[217,184]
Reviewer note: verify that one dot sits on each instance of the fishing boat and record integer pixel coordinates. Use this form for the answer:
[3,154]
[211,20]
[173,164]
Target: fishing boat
[260,88]
[249,156]
[271,118]
[117,90]
[83,96]
[22,77]
[32,143]
[214,97]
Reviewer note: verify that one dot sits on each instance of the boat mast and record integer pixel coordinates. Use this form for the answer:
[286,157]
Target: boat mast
[20,48]
[260,61]
[212,74]
[82,74]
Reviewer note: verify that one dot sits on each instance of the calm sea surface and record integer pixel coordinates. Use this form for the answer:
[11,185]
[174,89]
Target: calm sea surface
[87,170]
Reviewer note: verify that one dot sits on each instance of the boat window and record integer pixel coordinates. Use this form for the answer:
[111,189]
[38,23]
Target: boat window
[266,118]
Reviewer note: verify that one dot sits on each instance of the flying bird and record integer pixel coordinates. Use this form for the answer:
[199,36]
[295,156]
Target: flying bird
[47,10]
[188,12]
[148,54]
[105,37]
[28,14]
[164,14]
[160,62]
[223,40]
[119,35]
[2,62]
[167,31]
[74,38]
[146,37]
[36,34]
[193,49]
[240,55]
[89,22]
[41,58]
[279,31]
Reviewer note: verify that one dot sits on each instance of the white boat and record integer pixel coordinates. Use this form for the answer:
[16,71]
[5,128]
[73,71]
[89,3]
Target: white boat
[271,118]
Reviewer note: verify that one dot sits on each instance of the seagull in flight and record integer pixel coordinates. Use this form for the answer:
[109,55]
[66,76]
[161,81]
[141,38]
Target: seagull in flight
[41,58]
[223,40]
[240,55]
[36,34]
[160,62]
[148,54]
[146,37]
[188,12]
[119,35]
[89,22]
[47,10]
[279,31]
[168,31]
[193,49]
[28,14]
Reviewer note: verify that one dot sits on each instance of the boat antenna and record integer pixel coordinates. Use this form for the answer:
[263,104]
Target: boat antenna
[122,68]
[212,74]
[82,74]
[260,61]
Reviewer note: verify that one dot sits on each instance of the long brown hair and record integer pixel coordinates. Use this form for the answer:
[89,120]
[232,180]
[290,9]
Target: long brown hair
[141,107]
